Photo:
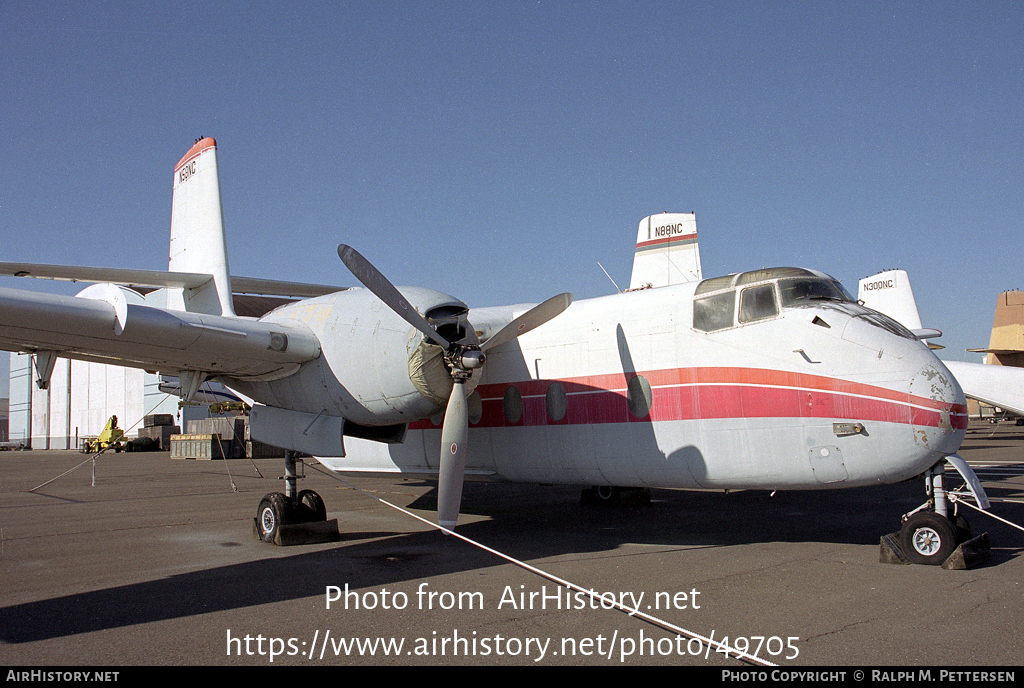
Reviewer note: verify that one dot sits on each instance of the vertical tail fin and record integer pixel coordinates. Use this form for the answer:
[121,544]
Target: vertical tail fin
[889,292]
[666,251]
[1006,344]
[197,232]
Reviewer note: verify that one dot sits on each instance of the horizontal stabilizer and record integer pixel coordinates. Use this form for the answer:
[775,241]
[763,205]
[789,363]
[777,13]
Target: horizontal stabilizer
[153,279]
[208,393]
[926,333]
[265,287]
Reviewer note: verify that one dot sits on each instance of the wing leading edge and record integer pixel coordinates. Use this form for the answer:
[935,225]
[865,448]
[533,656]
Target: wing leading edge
[140,336]
[157,279]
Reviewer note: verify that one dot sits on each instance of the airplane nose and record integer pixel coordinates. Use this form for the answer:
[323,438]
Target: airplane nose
[939,408]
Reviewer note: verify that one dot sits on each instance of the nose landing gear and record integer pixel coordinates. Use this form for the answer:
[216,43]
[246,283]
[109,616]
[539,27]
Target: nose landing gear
[934,534]
[928,538]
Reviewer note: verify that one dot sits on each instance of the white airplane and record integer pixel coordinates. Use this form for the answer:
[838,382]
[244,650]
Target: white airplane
[774,379]
[997,385]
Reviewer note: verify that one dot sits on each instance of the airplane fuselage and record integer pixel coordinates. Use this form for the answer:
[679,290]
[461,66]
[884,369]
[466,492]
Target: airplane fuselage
[770,379]
[709,385]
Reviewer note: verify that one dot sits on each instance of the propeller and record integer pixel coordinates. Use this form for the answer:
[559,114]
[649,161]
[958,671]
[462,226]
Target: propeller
[462,360]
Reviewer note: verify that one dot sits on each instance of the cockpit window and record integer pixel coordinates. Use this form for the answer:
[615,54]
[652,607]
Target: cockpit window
[801,292]
[714,284]
[771,273]
[880,320]
[758,303]
[714,312]
[714,305]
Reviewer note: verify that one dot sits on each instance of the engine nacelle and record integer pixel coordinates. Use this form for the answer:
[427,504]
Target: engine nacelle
[375,369]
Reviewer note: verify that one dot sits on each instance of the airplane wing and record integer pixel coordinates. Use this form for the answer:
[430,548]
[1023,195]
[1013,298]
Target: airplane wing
[1000,386]
[157,279]
[139,336]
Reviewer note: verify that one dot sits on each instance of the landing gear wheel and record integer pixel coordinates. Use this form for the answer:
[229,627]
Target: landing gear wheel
[270,515]
[928,538]
[600,495]
[311,506]
[963,528]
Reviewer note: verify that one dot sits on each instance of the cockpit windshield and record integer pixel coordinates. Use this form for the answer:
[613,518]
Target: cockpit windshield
[800,291]
[724,302]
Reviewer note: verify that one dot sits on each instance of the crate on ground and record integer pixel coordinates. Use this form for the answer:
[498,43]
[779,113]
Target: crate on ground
[198,446]
[161,434]
[158,419]
[231,428]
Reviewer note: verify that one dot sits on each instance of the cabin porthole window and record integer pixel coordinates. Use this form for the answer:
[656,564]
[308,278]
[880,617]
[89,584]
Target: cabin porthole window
[639,396]
[556,401]
[475,407]
[513,405]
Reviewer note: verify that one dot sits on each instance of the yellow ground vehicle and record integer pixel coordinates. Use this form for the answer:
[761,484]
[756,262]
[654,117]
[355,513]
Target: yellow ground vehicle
[111,436]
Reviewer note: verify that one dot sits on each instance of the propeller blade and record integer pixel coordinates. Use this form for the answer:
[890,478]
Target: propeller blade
[462,361]
[531,319]
[374,280]
[453,457]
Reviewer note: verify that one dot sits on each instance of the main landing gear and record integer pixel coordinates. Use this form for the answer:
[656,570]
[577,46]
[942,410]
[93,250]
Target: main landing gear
[608,495]
[933,532]
[293,517]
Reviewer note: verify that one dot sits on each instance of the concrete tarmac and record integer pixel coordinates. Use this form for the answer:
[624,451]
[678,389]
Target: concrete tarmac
[155,564]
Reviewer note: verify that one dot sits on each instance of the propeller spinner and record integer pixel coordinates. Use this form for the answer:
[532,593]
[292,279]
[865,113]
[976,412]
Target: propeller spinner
[462,360]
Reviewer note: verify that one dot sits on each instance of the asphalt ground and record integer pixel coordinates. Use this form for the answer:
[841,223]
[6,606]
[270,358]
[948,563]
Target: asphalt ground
[143,560]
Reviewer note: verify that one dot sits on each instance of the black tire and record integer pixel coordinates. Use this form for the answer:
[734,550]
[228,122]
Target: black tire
[606,495]
[270,515]
[928,538]
[963,528]
[312,506]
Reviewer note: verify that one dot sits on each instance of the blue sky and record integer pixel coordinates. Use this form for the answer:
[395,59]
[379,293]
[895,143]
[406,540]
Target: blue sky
[499,151]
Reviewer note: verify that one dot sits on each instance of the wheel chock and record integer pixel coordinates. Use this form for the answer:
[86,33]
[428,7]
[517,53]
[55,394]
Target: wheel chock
[303,533]
[890,551]
[967,554]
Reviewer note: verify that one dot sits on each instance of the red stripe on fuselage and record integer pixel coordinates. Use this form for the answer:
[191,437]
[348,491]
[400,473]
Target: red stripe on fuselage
[716,393]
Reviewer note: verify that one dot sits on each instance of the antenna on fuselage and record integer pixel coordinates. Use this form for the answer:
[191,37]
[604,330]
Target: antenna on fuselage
[609,277]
